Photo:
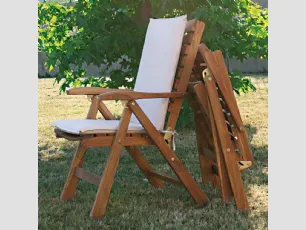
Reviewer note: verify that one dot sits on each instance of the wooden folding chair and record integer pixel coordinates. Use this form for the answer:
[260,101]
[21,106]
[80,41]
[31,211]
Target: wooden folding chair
[222,142]
[137,126]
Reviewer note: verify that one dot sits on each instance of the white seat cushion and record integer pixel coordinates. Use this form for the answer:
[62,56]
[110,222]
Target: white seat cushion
[158,65]
[156,73]
[87,126]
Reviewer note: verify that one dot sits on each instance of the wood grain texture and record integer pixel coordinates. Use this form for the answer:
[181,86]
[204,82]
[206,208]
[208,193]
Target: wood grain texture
[184,73]
[72,180]
[92,90]
[174,162]
[243,142]
[99,207]
[135,153]
[226,147]
[138,95]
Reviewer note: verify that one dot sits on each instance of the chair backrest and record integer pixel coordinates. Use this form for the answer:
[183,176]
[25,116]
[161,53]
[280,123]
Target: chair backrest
[164,58]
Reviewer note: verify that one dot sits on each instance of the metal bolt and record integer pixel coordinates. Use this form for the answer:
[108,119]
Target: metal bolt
[228,150]
[209,78]
[133,103]
[172,158]
[119,141]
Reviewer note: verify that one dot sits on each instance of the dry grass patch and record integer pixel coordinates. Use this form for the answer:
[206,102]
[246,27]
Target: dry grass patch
[134,203]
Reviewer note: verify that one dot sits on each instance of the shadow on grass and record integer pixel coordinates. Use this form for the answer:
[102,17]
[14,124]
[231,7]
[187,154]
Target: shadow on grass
[133,197]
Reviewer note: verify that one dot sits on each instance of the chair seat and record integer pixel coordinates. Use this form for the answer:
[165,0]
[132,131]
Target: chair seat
[87,126]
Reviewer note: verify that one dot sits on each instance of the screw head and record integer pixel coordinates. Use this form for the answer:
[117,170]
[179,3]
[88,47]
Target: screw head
[172,158]
[209,78]
[119,141]
[133,103]
[228,150]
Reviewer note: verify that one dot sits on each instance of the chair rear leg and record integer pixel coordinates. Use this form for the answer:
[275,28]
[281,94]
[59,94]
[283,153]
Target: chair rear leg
[190,184]
[72,180]
[144,166]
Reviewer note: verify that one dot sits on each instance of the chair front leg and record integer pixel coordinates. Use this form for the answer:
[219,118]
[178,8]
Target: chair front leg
[107,179]
[135,153]
[72,180]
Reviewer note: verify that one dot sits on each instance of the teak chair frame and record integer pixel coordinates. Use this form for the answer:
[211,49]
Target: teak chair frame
[222,142]
[130,140]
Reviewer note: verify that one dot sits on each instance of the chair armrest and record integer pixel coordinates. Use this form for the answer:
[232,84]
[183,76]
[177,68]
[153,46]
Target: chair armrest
[92,90]
[132,95]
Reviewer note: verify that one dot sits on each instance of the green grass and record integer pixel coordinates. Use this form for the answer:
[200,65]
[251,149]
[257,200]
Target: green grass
[134,204]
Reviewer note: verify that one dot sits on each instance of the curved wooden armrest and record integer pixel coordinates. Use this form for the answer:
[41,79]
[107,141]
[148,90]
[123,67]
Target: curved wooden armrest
[132,95]
[92,90]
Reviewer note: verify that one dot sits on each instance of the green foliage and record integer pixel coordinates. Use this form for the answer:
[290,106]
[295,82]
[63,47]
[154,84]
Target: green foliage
[105,31]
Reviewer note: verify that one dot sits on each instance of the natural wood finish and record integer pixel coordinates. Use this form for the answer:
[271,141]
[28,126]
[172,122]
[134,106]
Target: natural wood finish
[122,138]
[192,50]
[89,177]
[225,90]
[225,185]
[135,153]
[187,39]
[92,90]
[200,91]
[204,140]
[145,167]
[107,179]
[174,162]
[72,180]
[226,147]
[242,136]
[165,177]
[108,140]
[138,95]
[93,110]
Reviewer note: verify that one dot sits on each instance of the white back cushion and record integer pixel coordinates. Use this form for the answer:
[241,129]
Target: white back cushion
[158,65]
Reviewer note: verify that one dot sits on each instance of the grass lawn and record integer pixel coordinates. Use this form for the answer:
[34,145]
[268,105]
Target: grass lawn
[134,204]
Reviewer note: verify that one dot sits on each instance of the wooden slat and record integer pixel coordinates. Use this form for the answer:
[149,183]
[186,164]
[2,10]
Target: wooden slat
[186,72]
[182,61]
[89,177]
[242,136]
[225,90]
[184,50]
[165,177]
[187,38]
[226,147]
[204,142]
[190,25]
[174,162]
[176,84]
[225,185]
[200,91]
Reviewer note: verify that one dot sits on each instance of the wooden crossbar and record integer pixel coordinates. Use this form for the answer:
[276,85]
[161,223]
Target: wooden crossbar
[87,176]
[165,177]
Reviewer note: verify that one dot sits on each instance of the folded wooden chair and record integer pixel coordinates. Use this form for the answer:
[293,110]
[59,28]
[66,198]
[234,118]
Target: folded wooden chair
[223,147]
[167,61]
